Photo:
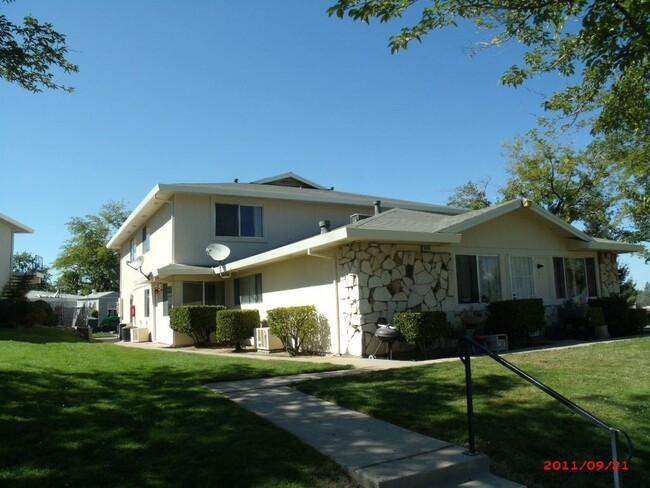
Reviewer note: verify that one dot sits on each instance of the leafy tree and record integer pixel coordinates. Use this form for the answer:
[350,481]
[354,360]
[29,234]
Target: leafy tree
[576,185]
[24,261]
[606,45]
[85,261]
[472,195]
[29,53]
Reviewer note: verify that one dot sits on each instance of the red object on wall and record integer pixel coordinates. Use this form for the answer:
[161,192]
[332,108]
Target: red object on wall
[132,312]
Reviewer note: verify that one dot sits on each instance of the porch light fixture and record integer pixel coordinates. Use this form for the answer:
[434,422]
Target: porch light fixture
[137,265]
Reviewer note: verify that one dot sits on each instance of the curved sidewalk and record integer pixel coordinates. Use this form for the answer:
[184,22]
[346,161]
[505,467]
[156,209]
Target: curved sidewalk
[374,453]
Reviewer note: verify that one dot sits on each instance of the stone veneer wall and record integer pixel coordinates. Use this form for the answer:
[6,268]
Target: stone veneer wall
[377,280]
[608,274]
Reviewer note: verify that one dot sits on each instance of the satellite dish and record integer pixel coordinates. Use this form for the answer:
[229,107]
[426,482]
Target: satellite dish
[217,251]
[137,262]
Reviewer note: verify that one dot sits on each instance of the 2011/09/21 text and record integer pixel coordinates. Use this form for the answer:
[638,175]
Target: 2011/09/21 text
[556,465]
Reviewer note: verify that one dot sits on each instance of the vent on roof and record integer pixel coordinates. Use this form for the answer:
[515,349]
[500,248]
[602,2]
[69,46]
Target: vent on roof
[357,217]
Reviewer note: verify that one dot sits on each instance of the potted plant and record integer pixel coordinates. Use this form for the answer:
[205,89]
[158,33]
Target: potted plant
[597,320]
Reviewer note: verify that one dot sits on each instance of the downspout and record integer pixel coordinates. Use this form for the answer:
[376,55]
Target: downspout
[336,296]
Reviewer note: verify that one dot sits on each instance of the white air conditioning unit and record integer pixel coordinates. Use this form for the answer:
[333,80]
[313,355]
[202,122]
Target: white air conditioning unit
[267,342]
[357,217]
[140,334]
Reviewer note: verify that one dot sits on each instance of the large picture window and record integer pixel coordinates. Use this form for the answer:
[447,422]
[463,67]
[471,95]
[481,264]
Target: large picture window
[575,277]
[478,278]
[203,293]
[238,220]
[248,289]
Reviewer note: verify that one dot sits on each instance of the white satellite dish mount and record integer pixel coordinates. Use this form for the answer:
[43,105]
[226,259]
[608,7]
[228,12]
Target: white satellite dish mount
[137,265]
[219,252]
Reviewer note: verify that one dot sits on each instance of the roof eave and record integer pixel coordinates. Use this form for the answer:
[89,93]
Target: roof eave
[605,246]
[338,237]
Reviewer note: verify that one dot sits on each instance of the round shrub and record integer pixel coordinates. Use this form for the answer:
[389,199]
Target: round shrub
[235,326]
[423,329]
[109,324]
[41,313]
[294,326]
[197,321]
[638,319]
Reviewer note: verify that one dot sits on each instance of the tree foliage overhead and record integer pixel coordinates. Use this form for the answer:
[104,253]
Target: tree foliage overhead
[30,52]
[86,263]
[606,43]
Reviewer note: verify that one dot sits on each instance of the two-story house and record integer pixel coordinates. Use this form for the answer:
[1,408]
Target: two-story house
[355,257]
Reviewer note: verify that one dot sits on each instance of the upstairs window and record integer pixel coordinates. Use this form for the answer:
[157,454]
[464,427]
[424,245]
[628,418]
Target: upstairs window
[238,220]
[478,278]
[146,239]
[132,250]
[575,277]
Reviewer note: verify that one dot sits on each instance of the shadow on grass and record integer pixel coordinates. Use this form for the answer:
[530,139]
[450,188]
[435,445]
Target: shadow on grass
[40,335]
[517,425]
[145,422]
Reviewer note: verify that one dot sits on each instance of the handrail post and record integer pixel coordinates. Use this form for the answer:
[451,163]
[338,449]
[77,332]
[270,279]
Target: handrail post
[469,392]
[616,465]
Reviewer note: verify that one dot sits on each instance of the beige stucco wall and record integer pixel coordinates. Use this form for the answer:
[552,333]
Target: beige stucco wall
[283,221]
[307,280]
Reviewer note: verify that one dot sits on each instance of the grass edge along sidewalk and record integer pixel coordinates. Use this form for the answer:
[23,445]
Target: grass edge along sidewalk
[83,414]
[518,426]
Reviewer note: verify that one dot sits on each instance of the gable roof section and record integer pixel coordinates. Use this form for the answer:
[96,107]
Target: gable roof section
[409,226]
[289,179]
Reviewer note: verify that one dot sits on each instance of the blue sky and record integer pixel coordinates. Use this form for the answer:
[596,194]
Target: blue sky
[209,91]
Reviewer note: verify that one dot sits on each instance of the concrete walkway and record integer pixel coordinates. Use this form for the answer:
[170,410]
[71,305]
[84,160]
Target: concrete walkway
[374,453]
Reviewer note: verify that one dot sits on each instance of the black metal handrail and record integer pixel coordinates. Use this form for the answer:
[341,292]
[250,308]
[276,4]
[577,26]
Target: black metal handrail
[466,346]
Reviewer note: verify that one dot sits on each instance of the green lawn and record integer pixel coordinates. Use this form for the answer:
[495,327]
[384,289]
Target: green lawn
[517,425]
[81,414]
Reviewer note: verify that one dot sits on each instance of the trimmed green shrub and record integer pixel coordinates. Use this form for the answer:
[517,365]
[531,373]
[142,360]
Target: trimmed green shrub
[638,319]
[235,326]
[616,314]
[423,329]
[517,318]
[294,326]
[109,324]
[596,316]
[41,313]
[197,321]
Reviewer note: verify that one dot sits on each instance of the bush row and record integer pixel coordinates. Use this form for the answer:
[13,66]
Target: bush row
[299,328]
[26,314]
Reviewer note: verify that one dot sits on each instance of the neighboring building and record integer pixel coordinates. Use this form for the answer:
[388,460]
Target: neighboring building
[63,304]
[8,228]
[105,302]
[355,257]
